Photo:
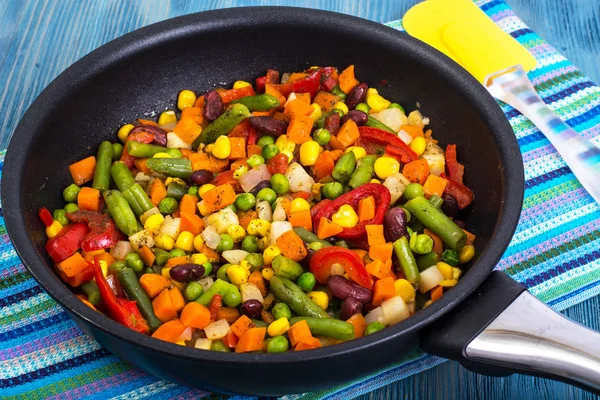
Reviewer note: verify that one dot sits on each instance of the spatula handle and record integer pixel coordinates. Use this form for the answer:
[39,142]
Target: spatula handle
[513,87]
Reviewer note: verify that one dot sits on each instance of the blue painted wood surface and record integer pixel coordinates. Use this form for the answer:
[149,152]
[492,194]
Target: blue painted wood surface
[39,39]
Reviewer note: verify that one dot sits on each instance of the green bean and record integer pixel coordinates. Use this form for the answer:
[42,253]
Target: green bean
[344,167]
[308,237]
[137,199]
[339,92]
[364,172]
[289,293]
[174,153]
[134,261]
[436,201]
[222,125]
[102,172]
[220,287]
[407,260]
[121,212]
[259,323]
[161,256]
[90,288]
[261,102]
[117,151]
[375,123]
[144,150]
[286,268]
[134,290]
[374,327]
[436,221]
[122,176]
[177,167]
[421,243]
[342,243]
[329,327]
[426,261]
[218,345]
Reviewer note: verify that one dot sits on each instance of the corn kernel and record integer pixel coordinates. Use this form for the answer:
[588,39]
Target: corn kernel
[427,303]
[239,171]
[377,102]
[289,155]
[123,132]
[283,143]
[161,155]
[237,232]
[258,227]
[178,181]
[418,145]
[178,285]
[278,327]
[209,148]
[263,243]
[241,84]
[386,166]
[415,118]
[317,112]
[405,290]
[103,267]
[270,253]
[359,152]
[448,283]
[185,241]
[341,106]
[375,181]
[456,273]
[181,343]
[198,258]
[309,152]
[205,188]
[319,298]
[267,273]
[299,204]
[237,275]
[203,208]
[445,269]
[167,117]
[345,217]
[53,229]
[164,242]
[245,264]
[466,254]
[222,148]
[198,242]
[153,222]
[372,91]
[165,272]
[186,99]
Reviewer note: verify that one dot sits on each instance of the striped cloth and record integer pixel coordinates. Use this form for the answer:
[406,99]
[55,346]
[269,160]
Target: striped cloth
[554,252]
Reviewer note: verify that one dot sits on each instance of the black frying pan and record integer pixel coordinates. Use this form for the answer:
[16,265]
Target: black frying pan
[143,71]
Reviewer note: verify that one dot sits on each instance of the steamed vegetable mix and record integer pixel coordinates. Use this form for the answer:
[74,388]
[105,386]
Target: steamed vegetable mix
[297,212]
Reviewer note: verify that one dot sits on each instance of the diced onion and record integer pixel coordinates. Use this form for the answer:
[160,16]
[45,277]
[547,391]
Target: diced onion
[394,310]
[203,344]
[211,237]
[217,330]
[395,185]
[234,256]
[253,177]
[171,226]
[278,228]
[430,278]
[279,213]
[223,219]
[175,142]
[149,213]
[185,335]
[376,315]
[121,249]
[263,209]
[206,282]
[250,291]
[300,180]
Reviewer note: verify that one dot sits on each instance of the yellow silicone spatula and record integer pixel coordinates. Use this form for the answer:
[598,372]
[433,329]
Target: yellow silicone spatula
[459,29]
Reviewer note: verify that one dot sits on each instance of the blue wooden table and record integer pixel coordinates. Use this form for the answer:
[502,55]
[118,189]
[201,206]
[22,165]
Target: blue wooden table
[39,39]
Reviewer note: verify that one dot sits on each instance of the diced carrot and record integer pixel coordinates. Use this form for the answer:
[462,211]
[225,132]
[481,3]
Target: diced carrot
[241,325]
[336,144]
[310,343]
[299,332]
[193,112]
[273,91]
[188,204]
[246,216]
[147,256]
[470,237]
[296,108]
[347,80]
[360,324]
[219,197]
[199,102]
[212,255]
[434,185]
[254,149]
[147,122]
[163,306]
[269,113]
[82,171]
[376,268]
[292,246]
[87,303]
[195,315]
[348,133]
[436,293]
[278,115]
[382,252]
[299,129]
[326,100]
[176,261]
[297,76]
[416,171]
[323,166]
[336,154]
[257,280]
[177,298]
[230,314]
[170,331]
[187,129]
[230,340]
[383,289]
[153,284]
[85,275]
[327,229]
[158,191]
[305,97]
[89,199]
[140,163]
[227,96]
[286,204]
[413,131]
[73,265]
[238,147]
[252,340]
[301,219]
[375,234]
[361,253]
[366,209]
[438,245]
[208,162]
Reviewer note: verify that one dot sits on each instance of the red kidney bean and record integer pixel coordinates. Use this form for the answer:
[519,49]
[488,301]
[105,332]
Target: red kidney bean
[332,123]
[359,117]
[357,95]
[202,177]
[252,308]
[395,224]
[160,135]
[461,224]
[268,126]
[450,205]
[350,306]
[327,83]
[342,288]
[187,272]
[213,106]
[260,185]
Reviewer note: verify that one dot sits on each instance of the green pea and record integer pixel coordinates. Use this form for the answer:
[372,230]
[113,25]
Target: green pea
[256,261]
[193,191]
[307,281]
[267,194]
[332,190]
[174,153]
[421,243]
[134,262]
[281,310]
[265,140]
[117,266]
[233,297]
[168,205]
[149,270]
[177,252]
[450,257]
[364,107]
[192,291]
[232,207]
[117,151]
[339,92]
[218,345]
[270,151]
[207,268]
[226,243]
[70,193]
[280,183]
[70,207]
[222,272]
[61,216]
[374,327]
[245,201]
[322,136]
[255,160]
[278,344]
[413,190]
[250,244]
[398,106]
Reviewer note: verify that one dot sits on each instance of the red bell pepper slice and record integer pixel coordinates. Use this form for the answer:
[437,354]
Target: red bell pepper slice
[123,311]
[272,76]
[382,197]
[215,305]
[76,280]
[328,83]
[318,207]
[45,216]
[375,141]
[455,169]
[246,131]
[67,242]
[324,258]
[462,194]
[230,95]
[278,164]
[310,84]
[103,231]
[140,137]
[226,177]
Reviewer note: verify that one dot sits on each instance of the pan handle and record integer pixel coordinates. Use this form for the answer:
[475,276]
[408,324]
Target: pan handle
[502,329]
